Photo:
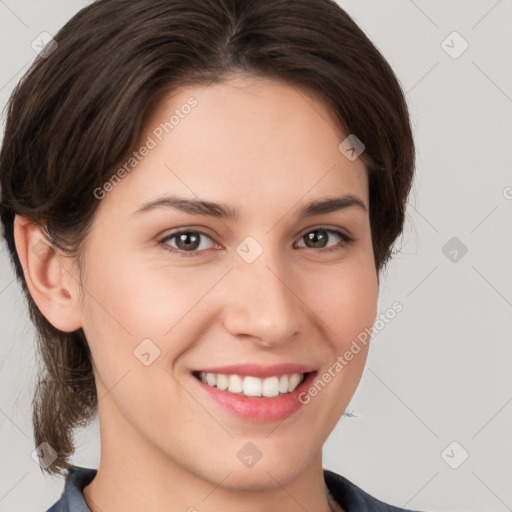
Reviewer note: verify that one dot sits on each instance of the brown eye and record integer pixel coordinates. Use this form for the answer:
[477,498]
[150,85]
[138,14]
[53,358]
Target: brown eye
[316,239]
[320,237]
[186,242]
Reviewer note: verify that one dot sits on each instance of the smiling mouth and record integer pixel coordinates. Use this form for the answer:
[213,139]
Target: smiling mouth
[251,386]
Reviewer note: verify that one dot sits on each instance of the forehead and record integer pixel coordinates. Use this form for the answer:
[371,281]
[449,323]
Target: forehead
[247,142]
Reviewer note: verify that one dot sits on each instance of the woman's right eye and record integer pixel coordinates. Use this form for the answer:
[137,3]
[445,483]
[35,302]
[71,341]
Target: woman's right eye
[187,242]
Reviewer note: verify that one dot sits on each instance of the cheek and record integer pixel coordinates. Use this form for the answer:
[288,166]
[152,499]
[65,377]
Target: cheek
[132,323]
[128,303]
[346,301]
[140,300]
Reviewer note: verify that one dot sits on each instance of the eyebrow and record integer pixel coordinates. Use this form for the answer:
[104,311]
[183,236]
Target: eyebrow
[223,211]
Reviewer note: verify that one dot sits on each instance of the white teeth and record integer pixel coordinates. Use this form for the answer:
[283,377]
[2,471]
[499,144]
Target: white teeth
[236,384]
[211,380]
[252,386]
[283,384]
[271,386]
[294,381]
[222,381]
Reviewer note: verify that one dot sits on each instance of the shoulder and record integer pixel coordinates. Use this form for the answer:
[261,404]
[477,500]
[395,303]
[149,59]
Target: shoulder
[72,499]
[354,499]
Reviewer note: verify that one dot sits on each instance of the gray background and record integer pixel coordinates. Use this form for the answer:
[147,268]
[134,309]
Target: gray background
[437,373]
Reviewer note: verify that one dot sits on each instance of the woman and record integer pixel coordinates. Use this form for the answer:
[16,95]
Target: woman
[198,198]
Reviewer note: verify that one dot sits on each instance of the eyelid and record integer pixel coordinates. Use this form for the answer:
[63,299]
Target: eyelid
[332,229]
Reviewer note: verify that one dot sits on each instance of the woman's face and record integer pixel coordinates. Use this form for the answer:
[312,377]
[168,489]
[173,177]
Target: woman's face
[268,292]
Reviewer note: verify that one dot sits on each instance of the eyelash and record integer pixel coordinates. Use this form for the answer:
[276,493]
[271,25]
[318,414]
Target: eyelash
[346,241]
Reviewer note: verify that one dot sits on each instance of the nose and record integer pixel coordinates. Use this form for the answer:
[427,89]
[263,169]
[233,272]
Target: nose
[260,302]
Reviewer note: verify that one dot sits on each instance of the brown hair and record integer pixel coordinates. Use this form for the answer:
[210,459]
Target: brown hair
[80,109]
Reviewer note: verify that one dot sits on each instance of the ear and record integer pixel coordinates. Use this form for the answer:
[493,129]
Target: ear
[50,277]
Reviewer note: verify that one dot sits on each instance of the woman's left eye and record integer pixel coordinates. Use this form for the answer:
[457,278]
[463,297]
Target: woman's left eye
[189,242]
[318,242]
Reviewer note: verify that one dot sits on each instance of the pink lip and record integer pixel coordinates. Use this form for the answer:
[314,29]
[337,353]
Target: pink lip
[260,371]
[258,409]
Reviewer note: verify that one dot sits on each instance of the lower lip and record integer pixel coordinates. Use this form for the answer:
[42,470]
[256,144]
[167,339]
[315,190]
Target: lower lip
[259,409]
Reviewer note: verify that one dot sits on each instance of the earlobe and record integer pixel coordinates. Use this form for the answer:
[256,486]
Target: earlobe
[51,284]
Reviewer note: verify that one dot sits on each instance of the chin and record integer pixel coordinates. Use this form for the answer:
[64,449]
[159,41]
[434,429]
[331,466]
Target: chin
[277,468]
[260,479]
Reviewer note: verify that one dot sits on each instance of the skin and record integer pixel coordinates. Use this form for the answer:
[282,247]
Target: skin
[266,149]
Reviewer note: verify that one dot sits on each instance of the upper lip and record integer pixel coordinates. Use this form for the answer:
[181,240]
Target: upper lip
[258,370]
